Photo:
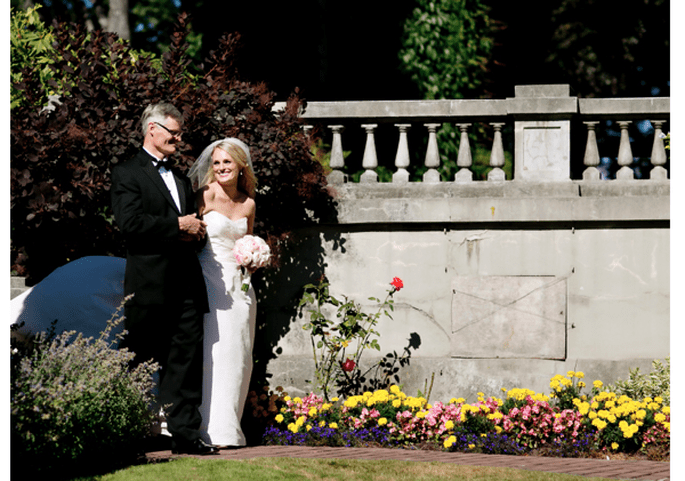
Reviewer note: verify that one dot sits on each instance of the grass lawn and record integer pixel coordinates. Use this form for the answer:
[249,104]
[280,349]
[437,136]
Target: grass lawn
[296,469]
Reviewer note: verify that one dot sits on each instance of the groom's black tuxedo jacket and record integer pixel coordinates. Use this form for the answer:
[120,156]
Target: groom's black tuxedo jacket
[160,268]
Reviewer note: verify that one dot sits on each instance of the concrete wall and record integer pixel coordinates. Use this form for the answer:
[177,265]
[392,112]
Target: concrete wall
[506,284]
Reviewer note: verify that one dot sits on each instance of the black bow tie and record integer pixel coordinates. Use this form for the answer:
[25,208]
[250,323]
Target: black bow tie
[163,163]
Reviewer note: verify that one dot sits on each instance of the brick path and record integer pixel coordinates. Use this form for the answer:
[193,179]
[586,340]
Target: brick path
[614,469]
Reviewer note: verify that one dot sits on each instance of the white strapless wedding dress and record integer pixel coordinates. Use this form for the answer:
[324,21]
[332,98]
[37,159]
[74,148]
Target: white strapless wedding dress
[229,330]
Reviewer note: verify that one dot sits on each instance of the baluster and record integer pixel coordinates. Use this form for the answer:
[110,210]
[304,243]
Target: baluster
[402,157]
[625,154]
[658,153]
[337,158]
[307,130]
[464,158]
[591,159]
[497,155]
[432,155]
[370,160]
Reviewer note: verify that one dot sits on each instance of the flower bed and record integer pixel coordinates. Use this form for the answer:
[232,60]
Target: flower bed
[563,423]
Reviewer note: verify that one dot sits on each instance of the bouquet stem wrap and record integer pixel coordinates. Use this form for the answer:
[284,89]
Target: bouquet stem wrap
[251,252]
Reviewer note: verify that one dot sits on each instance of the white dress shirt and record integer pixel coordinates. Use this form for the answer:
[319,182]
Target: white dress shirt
[168,178]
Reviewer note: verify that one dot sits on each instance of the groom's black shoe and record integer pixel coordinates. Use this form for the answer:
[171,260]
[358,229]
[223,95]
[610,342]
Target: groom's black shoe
[197,447]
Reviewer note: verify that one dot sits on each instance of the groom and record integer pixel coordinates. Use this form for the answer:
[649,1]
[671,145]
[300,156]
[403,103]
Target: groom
[155,209]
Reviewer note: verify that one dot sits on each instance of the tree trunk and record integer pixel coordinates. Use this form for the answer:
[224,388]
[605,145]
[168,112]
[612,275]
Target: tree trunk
[117,21]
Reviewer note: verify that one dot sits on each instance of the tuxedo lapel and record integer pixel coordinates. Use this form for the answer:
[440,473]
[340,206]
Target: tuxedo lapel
[153,174]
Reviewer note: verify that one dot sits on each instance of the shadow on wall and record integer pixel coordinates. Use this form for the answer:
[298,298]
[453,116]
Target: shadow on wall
[280,289]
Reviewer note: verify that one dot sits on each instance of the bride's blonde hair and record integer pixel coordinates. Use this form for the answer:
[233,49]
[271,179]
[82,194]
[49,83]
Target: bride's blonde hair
[247,182]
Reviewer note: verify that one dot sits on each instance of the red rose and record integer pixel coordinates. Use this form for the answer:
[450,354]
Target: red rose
[348,365]
[397,283]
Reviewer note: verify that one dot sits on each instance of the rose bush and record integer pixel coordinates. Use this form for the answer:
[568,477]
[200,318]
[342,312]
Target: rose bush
[354,329]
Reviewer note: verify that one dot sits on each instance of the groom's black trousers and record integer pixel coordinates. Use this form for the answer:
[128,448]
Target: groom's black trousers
[172,336]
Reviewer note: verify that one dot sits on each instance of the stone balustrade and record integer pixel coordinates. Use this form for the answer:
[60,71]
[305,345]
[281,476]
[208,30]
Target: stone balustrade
[507,282]
[541,117]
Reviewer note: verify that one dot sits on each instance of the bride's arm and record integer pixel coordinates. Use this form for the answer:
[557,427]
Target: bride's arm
[251,216]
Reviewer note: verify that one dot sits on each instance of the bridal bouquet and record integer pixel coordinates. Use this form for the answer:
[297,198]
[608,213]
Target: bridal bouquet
[251,252]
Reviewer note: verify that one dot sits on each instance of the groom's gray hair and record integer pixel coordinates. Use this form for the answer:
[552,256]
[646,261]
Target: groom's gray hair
[159,113]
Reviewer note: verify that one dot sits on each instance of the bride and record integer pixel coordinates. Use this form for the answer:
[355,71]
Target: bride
[225,184]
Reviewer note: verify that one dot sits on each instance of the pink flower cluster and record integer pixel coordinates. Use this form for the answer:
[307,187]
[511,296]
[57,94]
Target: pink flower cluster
[252,252]
[535,422]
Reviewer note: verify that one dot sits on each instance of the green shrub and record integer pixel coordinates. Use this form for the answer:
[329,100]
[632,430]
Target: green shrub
[639,386]
[74,402]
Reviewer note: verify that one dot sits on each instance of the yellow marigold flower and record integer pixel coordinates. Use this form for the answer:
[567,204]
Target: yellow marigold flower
[603,413]
[471,446]
[614,446]
[594,405]
[312,412]
[648,399]
[554,384]
[658,400]
[460,400]
[382,421]
[279,418]
[611,418]
[598,384]
[421,414]
[293,427]
[309,427]
[483,435]
[395,389]
[592,415]
[300,421]
[599,424]
[667,426]
[326,406]
[666,410]
[641,414]
[287,398]
[566,382]
[345,343]
[453,401]
[581,384]
[610,404]
[297,400]
[653,406]
[322,424]
[333,425]
[449,442]
[570,374]
[334,399]
[396,403]
[498,429]
[580,374]
[450,424]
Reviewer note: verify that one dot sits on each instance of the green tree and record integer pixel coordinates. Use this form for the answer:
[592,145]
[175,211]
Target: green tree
[626,57]
[446,49]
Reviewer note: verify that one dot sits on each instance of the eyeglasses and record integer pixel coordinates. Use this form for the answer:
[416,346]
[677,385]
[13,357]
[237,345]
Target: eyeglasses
[174,133]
